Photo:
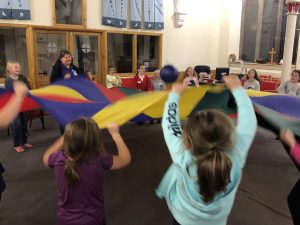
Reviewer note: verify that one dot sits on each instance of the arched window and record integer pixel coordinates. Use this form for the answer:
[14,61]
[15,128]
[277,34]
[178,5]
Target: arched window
[263,28]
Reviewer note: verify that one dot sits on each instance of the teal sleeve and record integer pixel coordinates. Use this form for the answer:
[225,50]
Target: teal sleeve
[246,125]
[172,128]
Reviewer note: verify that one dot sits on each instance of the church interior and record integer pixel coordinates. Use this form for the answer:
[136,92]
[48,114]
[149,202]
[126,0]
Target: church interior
[211,37]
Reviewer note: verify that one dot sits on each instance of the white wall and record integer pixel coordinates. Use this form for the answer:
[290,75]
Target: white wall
[211,31]
[41,13]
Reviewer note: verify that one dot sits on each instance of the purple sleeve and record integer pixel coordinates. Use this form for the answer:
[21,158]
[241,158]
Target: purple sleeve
[107,161]
[54,158]
[295,152]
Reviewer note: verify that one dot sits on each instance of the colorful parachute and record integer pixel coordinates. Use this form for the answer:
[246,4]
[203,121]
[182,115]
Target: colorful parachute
[67,100]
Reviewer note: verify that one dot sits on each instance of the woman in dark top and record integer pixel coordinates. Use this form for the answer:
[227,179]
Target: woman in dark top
[63,67]
[19,125]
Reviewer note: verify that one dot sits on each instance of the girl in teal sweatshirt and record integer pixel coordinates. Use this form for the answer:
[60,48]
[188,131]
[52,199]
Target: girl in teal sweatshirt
[208,157]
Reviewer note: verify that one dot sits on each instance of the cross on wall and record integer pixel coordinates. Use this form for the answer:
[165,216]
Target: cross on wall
[272,53]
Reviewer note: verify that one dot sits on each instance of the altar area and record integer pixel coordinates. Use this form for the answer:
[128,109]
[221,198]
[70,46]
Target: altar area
[274,70]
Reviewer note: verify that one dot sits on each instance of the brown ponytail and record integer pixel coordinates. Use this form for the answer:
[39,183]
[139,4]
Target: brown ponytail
[71,172]
[213,174]
[210,134]
[82,141]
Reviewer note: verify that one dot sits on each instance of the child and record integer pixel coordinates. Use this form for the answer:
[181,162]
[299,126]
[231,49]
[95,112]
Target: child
[89,75]
[252,80]
[19,125]
[294,197]
[79,161]
[8,113]
[143,82]
[157,83]
[112,79]
[190,78]
[292,86]
[208,157]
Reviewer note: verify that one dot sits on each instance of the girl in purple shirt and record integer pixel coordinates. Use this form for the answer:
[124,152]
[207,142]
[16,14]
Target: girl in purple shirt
[80,161]
[288,137]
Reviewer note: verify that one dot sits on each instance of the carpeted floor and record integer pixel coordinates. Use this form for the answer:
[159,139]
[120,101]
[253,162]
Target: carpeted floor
[30,197]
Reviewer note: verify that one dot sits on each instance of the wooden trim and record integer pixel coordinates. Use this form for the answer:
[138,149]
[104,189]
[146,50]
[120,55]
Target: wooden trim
[69,26]
[49,32]
[83,17]
[125,75]
[30,57]
[53,13]
[84,13]
[66,27]
[75,28]
[13,25]
[134,32]
[103,53]
[85,33]
[134,53]
[160,47]
[70,42]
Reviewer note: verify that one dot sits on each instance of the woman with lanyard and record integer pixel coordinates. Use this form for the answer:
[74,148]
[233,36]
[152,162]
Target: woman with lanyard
[63,67]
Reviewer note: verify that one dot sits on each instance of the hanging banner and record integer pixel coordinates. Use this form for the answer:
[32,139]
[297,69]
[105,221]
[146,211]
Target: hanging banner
[135,14]
[5,9]
[121,13]
[159,14]
[149,14]
[108,12]
[20,9]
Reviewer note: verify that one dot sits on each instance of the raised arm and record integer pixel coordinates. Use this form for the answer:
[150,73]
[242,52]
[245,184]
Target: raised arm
[288,137]
[55,147]
[171,124]
[246,121]
[123,158]
[282,87]
[12,108]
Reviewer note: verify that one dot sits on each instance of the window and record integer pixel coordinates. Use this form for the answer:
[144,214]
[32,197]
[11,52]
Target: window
[69,12]
[86,53]
[119,52]
[49,46]
[13,47]
[147,52]
[263,28]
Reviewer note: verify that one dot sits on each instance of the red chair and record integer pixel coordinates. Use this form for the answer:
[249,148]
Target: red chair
[128,82]
[269,86]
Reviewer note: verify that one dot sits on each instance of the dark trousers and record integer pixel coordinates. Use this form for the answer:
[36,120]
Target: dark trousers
[2,183]
[19,128]
[61,129]
[294,203]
